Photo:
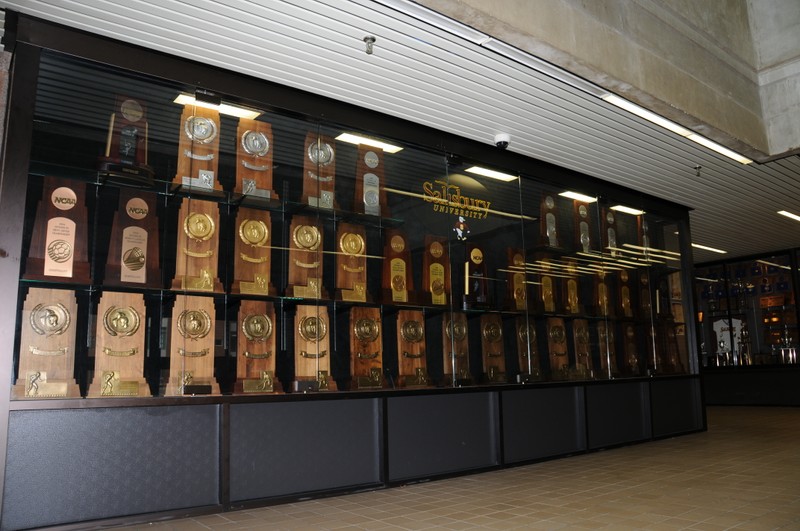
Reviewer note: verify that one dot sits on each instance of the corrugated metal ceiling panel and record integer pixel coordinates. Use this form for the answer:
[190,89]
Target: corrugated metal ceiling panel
[426,75]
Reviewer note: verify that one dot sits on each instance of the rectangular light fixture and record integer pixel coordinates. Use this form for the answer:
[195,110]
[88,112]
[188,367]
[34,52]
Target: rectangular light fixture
[223,108]
[578,197]
[627,210]
[493,174]
[353,138]
[706,248]
[789,215]
[675,128]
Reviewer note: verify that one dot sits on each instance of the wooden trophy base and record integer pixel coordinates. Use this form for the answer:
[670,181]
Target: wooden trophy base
[493,376]
[374,381]
[313,290]
[42,388]
[117,172]
[527,377]
[267,384]
[116,386]
[304,384]
[205,387]
[387,297]
[80,272]
[256,287]
[201,284]
[359,293]
[418,380]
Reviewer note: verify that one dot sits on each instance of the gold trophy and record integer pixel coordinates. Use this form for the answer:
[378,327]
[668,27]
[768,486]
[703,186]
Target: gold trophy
[191,347]
[583,358]
[319,172]
[254,159]
[119,356]
[312,356]
[494,359]
[517,286]
[252,253]
[557,348]
[411,359]
[255,359]
[456,348]
[398,282]
[366,348]
[305,259]
[436,270]
[47,345]
[608,356]
[351,263]
[125,157]
[529,363]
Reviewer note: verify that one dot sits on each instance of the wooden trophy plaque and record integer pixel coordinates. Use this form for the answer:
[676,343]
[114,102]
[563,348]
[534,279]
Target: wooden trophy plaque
[319,172]
[370,195]
[584,227]
[198,150]
[528,350]
[625,306]
[476,282]
[604,306]
[191,349]
[119,356]
[366,348]
[305,259]
[398,280]
[197,248]
[436,270]
[645,295]
[609,233]
[125,158]
[549,222]
[351,263]
[549,289]
[411,353]
[133,248]
[608,351]
[253,253]
[59,243]
[312,357]
[583,357]
[631,351]
[255,363]
[494,358]
[456,348]
[254,159]
[557,348]
[47,345]
[571,287]
[516,285]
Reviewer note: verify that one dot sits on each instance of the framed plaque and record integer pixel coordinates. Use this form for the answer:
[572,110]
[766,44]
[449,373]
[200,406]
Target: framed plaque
[436,270]
[557,348]
[583,357]
[191,347]
[516,284]
[125,157]
[198,150]
[305,259]
[585,231]
[398,280]
[624,304]
[370,195]
[319,172]
[47,345]
[119,356]
[255,354]
[608,354]
[456,348]
[197,248]
[549,221]
[133,247]
[528,351]
[312,356]
[411,352]
[366,348]
[492,350]
[476,281]
[631,351]
[254,159]
[252,253]
[548,288]
[59,242]
[602,300]
[351,263]
[571,287]
[609,233]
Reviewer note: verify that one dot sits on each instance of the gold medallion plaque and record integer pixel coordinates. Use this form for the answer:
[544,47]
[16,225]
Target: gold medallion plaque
[557,348]
[197,258]
[253,253]
[411,352]
[494,360]
[397,282]
[191,369]
[254,159]
[366,348]
[305,259]
[351,263]
[456,348]
[255,359]
[312,360]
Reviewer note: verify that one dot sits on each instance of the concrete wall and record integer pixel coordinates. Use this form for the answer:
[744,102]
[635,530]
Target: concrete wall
[694,62]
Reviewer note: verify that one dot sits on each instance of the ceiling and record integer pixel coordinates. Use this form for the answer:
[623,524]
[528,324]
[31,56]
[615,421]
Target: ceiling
[431,74]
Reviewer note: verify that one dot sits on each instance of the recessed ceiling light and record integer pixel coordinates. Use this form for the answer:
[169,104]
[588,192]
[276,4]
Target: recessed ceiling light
[367,141]
[706,248]
[223,108]
[493,174]
[789,215]
[578,197]
[627,210]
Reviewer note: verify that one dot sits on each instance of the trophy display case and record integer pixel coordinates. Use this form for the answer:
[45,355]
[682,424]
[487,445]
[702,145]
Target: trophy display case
[254,252]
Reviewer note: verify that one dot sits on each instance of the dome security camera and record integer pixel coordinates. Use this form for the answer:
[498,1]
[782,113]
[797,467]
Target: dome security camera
[501,140]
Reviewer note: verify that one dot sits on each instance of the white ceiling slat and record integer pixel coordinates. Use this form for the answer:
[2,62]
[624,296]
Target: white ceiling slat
[429,76]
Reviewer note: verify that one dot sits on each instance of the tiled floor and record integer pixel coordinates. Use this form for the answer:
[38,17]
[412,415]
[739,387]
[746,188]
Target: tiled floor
[744,474]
